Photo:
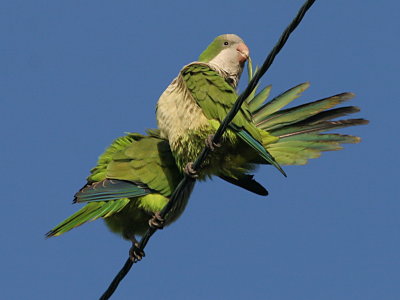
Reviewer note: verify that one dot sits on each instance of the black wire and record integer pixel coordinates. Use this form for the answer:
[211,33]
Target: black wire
[197,164]
[254,81]
[117,279]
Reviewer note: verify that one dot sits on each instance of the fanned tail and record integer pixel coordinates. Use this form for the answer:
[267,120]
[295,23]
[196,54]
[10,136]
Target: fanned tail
[300,128]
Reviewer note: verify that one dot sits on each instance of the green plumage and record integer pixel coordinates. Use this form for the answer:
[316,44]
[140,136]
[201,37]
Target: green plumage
[298,130]
[197,101]
[136,175]
[192,108]
[216,97]
[133,179]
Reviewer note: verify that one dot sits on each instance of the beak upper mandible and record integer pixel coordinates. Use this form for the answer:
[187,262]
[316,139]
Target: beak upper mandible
[243,52]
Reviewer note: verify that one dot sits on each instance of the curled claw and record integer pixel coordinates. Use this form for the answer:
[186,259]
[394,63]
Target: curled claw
[210,144]
[135,253]
[157,221]
[188,170]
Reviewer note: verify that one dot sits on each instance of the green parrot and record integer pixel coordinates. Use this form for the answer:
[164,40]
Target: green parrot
[192,107]
[131,183]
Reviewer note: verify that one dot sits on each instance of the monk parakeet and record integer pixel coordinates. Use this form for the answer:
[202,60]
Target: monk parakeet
[192,107]
[131,183]
[199,98]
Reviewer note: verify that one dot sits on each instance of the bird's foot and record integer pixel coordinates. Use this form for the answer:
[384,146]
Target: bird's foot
[210,144]
[188,170]
[135,253]
[157,221]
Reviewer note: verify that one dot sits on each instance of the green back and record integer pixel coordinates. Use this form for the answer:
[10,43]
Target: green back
[146,159]
[216,96]
[132,166]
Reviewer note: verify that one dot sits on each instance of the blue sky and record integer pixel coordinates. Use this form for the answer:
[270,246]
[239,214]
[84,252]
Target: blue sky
[77,74]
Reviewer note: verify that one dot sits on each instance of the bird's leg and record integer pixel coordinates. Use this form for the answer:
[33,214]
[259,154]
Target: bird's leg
[188,170]
[210,144]
[157,221]
[135,253]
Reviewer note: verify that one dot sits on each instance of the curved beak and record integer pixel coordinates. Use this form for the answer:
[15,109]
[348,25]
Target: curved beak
[243,52]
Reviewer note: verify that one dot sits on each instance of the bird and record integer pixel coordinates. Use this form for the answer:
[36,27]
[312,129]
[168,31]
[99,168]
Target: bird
[193,106]
[131,183]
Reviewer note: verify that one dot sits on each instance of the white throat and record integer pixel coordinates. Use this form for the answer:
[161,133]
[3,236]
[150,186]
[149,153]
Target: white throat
[227,64]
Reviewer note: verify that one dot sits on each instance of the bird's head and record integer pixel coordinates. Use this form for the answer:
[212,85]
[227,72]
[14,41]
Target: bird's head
[227,52]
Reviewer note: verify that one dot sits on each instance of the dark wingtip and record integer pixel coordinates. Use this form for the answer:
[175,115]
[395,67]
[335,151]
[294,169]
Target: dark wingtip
[49,234]
[247,182]
[276,165]
[263,193]
[259,189]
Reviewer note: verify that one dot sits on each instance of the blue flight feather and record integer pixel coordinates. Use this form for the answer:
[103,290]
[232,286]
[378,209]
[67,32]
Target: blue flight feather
[111,189]
[253,143]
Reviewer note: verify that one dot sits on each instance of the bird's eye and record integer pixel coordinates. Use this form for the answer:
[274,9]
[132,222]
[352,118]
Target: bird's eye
[226,43]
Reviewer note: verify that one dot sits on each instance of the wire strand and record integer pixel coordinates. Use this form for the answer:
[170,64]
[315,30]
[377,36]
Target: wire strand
[197,164]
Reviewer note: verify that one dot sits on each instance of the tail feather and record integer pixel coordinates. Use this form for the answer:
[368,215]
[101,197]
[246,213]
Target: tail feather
[293,155]
[89,212]
[332,114]
[327,137]
[257,100]
[317,145]
[261,112]
[299,113]
[303,128]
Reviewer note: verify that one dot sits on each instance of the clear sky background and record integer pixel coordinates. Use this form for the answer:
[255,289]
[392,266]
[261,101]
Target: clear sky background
[77,74]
